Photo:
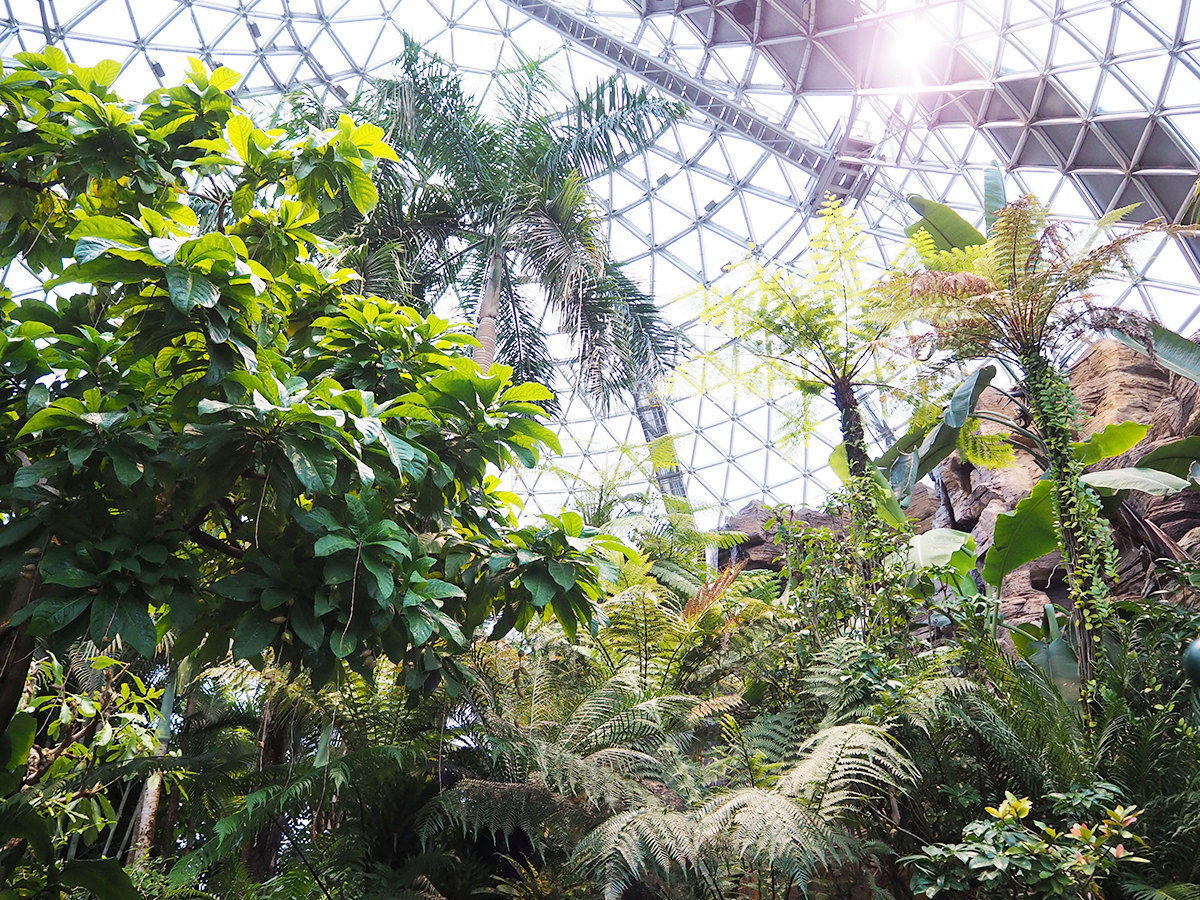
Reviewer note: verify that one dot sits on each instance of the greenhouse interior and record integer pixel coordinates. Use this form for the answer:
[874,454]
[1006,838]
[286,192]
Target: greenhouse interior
[608,450]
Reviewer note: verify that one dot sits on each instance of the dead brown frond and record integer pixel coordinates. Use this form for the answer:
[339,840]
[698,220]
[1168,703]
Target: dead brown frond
[712,592]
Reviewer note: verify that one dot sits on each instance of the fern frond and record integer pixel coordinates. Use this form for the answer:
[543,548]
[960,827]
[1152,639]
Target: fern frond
[633,844]
[1137,889]
[988,451]
[843,767]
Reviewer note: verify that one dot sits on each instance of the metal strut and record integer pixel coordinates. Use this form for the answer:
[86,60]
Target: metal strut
[713,104]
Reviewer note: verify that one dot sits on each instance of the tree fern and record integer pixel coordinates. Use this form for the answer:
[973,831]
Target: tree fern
[845,767]
[640,842]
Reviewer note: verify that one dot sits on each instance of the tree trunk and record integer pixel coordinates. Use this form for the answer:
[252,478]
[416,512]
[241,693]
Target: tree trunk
[261,854]
[653,418]
[1083,534]
[489,309]
[16,645]
[147,816]
[853,434]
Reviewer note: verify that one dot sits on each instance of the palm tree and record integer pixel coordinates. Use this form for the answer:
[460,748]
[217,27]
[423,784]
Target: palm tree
[1021,298]
[495,206]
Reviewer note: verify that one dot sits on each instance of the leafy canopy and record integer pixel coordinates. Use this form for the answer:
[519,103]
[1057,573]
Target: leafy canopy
[207,434]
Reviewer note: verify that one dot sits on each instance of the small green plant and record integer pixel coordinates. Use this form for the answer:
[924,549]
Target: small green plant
[1009,855]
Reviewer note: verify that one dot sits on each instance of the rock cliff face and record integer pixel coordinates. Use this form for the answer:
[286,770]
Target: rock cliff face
[1114,384]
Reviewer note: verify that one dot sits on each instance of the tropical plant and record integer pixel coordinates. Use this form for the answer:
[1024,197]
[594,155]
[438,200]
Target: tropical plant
[1005,856]
[813,331]
[1020,298]
[491,206]
[195,440]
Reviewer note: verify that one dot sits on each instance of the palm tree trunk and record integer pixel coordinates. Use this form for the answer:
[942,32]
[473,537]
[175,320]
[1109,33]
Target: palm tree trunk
[1083,534]
[489,309]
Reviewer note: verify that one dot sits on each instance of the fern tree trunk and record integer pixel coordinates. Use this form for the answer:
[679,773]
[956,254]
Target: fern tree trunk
[853,433]
[260,854]
[1083,534]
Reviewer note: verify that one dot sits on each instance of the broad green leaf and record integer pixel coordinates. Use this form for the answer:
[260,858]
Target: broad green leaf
[306,625]
[254,633]
[105,879]
[935,547]
[947,228]
[239,129]
[1023,535]
[224,79]
[21,732]
[105,72]
[527,392]
[966,396]
[541,587]
[321,757]
[993,193]
[361,188]
[313,463]
[1112,441]
[1171,350]
[1176,457]
[1058,661]
[436,589]
[333,543]
[110,228]
[20,821]
[212,247]
[189,289]
[565,613]
[132,621]
[563,574]
[69,576]
[886,504]
[54,614]
[1148,481]
[342,643]
[420,626]
[127,469]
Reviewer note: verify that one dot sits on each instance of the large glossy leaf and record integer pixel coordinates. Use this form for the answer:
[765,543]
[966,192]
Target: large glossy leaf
[1169,349]
[966,396]
[104,879]
[190,289]
[886,504]
[1112,441]
[1058,661]
[254,632]
[993,194]
[1023,535]
[1176,457]
[1134,478]
[947,228]
[21,733]
[920,451]
[935,547]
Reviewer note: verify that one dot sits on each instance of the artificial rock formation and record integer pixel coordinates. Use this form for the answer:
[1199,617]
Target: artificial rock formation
[1113,384]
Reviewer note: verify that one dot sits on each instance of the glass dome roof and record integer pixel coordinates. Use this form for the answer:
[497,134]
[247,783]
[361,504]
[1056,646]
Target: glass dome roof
[1090,104]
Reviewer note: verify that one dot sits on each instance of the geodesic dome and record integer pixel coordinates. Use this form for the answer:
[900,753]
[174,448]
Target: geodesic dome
[1090,104]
